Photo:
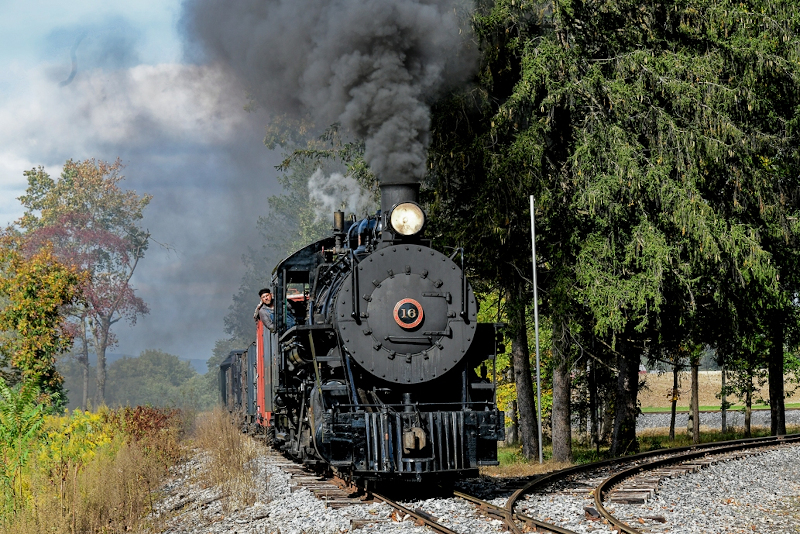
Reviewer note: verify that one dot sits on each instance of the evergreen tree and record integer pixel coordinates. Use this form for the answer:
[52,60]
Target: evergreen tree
[659,139]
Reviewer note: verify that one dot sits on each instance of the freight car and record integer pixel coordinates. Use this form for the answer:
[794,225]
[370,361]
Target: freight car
[384,373]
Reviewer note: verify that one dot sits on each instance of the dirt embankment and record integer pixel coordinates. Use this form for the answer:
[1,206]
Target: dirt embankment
[658,391]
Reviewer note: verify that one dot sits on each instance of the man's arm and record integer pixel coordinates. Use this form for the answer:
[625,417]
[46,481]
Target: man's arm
[266,318]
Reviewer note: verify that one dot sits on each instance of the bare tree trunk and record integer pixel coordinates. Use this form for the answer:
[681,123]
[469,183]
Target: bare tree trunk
[724,402]
[594,433]
[695,407]
[520,355]
[512,437]
[608,421]
[690,414]
[100,345]
[561,419]
[748,404]
[674,403]
[85,368]
[83,360]
[777,410]
[624,439]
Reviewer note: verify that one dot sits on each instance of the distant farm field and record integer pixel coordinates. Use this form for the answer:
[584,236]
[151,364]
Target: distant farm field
[659,390]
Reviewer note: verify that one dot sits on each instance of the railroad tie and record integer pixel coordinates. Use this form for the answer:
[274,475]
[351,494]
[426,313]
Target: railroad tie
[639,490]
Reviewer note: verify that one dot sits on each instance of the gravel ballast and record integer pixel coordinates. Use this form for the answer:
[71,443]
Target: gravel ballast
[756,494]
[189,508]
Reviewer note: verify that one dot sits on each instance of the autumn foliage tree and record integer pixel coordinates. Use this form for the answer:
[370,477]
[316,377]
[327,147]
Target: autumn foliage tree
[35,290]
[91,223]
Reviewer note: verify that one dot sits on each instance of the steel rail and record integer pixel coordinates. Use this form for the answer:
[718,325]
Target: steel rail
[424,519]
[607,484]
[509,517]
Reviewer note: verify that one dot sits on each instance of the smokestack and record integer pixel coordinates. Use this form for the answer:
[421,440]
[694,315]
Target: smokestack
[393,194]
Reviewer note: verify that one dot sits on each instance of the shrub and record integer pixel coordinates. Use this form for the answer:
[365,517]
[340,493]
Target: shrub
[94,472]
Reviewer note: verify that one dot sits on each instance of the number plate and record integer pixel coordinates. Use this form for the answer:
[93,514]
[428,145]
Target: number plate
[408,313]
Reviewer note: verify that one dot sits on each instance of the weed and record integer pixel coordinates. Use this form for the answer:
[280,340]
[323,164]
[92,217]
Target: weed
[231,457]
[95,472]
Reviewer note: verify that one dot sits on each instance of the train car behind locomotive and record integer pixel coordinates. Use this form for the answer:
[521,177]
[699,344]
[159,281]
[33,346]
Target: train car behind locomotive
[382,373]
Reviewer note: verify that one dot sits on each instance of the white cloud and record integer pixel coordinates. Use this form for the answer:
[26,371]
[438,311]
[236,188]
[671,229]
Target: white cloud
[135,107]
[184,137]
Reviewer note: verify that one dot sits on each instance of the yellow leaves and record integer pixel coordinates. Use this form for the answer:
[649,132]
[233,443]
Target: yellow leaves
[73,438]
[36,288]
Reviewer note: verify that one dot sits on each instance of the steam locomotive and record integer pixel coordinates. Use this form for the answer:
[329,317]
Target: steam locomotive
[378,367]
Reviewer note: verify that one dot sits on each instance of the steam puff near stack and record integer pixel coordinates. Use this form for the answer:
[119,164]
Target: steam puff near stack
[337,191]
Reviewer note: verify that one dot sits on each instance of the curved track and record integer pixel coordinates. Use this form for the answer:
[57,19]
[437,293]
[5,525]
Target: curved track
[639,464]
[686,458]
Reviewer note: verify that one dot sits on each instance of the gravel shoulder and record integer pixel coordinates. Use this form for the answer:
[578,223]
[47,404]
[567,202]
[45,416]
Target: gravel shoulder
[188,508]
[755,494]
[758,494]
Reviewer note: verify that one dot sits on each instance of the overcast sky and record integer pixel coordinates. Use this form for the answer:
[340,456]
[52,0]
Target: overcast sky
[179,128]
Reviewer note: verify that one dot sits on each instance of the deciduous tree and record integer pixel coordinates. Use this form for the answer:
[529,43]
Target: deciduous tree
[93,225]
[36,288]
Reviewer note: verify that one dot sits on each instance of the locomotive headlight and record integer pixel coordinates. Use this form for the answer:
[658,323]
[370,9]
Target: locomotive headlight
[407,218]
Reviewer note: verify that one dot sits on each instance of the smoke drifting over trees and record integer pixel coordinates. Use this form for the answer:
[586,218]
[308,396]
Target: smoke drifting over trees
[372,66]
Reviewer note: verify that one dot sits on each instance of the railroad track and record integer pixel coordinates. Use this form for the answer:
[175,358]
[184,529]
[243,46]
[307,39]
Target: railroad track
[636,485]
[629,480]
[332,491]
[635,479]
[335,493]
[511,520]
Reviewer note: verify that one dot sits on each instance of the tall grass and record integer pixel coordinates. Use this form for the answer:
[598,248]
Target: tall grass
[230,457]
[95,472]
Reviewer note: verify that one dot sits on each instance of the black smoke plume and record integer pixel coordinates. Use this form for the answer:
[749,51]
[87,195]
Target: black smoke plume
[372,65]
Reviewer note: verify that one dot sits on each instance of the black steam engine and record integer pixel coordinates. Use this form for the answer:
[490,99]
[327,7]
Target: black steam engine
[378,367]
